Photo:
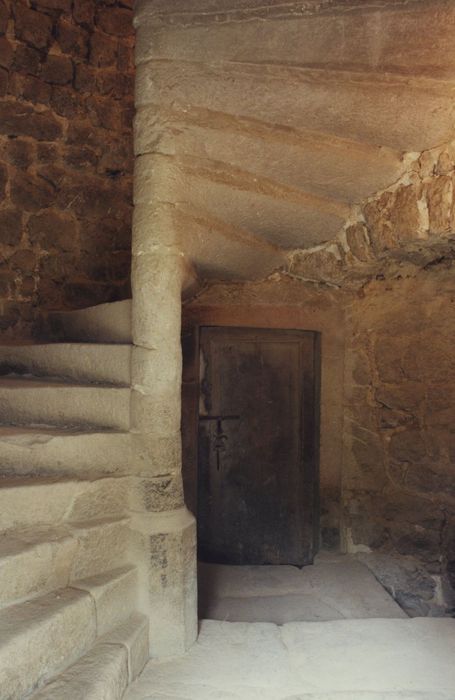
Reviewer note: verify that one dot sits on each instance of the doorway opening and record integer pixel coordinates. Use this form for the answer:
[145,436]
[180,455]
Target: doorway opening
[251,407]
[258,446]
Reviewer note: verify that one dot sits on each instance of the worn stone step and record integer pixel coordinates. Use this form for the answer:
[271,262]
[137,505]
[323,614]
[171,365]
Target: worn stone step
[80,362]
[309,160]
[42,637]
[345,104]
[36,560]
[364,35]
[49,450]
[32,401]
[33,502]
[104,323]
[102,545]
[104,672]
[282,215]
[115,596]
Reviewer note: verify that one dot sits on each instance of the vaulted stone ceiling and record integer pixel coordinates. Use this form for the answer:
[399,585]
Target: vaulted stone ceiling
[270,122]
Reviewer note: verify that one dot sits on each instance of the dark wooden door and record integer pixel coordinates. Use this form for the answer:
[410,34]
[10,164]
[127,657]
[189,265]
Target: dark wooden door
[258,446]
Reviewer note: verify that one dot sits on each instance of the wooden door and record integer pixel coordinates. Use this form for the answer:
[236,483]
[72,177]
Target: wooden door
[258,446]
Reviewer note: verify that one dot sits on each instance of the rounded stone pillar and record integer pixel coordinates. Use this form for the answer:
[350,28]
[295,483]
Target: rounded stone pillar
[165,530]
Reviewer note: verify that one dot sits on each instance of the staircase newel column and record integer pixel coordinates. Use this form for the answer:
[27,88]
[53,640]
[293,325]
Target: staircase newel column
[165,529]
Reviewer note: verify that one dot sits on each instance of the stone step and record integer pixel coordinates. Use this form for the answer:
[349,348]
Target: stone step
[34,502]
[32,401]
[80,362]
[48,450]
[104,672]
[311,161]
[104,323]
[282,215]
[345,104]
[362,35]
[102,545]
[35,561]
[115,596]
[43,636]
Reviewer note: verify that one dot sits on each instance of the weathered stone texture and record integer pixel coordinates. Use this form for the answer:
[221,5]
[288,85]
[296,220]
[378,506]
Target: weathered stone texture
[399,437]
[401,225]
[66,82]
[398,483]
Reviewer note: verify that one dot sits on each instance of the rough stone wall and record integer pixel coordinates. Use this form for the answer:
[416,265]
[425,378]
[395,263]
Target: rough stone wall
[406,226]
[66,91]
[399,462]
[398,456]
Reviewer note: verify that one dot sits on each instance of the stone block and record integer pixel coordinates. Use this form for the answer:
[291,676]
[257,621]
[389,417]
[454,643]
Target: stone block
[407,446]
[157,413]
[26,59]
[439,197]
[154,455]
[318,265]
[159,276]
[156,494]
[115,20]
[156,369]
[65,102]
[19,152]
[406,396]
[10,226]
[405,579]
[47,152]
[134,636]
[99,499]
[103,546]
[62,5]
[23,260]
[115,596]
[101,674]
[167,542]
[405,215]
[4,16]
[32,27]
[358,242]
[52,229]
[379,226]
[84,12]
[103,50]
[4,80]
[73,40]
[34,562]
[35,90]
[6,52]
[57,69]
[21,120]
[84,79]
[42,635]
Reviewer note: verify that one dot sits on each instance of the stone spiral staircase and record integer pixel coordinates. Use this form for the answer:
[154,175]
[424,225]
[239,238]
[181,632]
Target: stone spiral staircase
[263,127]
[259,127]
[69,604]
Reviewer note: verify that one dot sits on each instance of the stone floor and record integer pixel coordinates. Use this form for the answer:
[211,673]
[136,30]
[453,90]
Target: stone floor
[406,659]
[335,588]
[326,632]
